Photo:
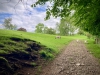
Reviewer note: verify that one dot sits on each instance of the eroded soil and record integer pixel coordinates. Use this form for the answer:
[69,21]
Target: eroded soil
[75,60]
[20,53]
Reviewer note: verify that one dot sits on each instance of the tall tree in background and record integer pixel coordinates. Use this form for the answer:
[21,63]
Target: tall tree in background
[51,31]
[72,29]
[65,27]
[45,31]
[81,32]
[39,28]
[8,25]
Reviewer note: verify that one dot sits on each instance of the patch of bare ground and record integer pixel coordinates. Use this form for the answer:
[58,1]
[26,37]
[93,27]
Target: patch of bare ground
[74,60]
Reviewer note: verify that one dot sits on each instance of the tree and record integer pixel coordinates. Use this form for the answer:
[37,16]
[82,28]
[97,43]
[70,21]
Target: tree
[7,24]
[45,31]
[72,29]
[89,35]
[39,28]
[22,29]
[81,32]
[65,27]
[50,31]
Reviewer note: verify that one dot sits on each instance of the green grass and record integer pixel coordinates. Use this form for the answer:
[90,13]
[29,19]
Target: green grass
[49,41]
[45,39]
[51,46]
[94,48]
[8,46]
[46,54]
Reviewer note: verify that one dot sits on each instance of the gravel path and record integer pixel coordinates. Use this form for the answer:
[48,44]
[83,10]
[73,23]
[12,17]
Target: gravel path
[75,60]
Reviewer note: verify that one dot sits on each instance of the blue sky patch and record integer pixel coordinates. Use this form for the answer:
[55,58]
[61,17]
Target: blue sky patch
[28,13]
[3,16]
[40,9]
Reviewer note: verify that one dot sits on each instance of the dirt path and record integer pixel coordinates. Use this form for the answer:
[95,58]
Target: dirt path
[75,60]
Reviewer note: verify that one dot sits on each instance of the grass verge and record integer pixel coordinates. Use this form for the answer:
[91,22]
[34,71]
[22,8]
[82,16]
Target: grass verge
[94,48]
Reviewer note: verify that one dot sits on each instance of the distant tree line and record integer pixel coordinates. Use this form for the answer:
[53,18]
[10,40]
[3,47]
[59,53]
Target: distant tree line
[62,28]
[41,28]
[8,25]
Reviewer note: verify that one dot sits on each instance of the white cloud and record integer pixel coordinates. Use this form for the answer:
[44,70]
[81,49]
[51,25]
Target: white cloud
[1,27]
[26,16]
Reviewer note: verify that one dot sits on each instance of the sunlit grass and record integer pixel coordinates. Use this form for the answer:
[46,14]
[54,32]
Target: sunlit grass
[94,48]
[45,39]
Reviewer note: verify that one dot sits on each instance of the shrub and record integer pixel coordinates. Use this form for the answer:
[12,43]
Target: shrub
[46,55]
[22,29]
[88,35]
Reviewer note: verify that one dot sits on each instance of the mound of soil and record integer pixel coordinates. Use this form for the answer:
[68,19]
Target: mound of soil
[12,62]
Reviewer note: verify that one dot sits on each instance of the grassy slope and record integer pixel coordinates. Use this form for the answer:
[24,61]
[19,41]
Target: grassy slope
[51,42]
[45,39]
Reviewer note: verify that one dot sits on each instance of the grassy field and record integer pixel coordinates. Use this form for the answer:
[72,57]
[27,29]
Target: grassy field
[45,39]
[16,45]
[50,41]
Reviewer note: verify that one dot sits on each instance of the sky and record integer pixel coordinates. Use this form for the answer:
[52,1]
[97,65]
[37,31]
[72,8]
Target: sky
[23,15]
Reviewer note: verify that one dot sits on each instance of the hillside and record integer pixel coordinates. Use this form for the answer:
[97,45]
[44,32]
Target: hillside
[22,49]
[16,53]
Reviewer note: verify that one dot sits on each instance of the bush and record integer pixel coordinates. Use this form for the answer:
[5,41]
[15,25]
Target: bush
[22,29]
[46,55]
[88,35]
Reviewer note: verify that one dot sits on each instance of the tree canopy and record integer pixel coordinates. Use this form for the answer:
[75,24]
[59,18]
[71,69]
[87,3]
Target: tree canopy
[41,28]
[8,25]
[65,27]
[85,15]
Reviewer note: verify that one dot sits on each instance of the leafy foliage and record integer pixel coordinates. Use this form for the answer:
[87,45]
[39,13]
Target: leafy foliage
[39,28]
[86,12]
[22,29]
[81,32]
[65,27]
[7,24]
[49,30]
